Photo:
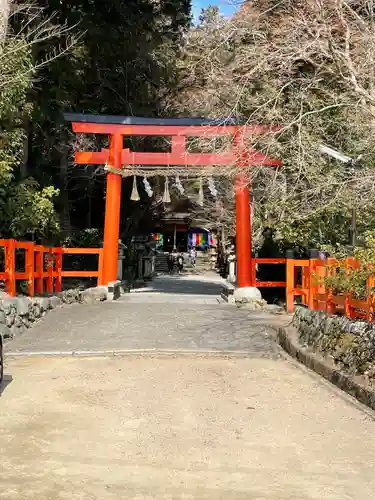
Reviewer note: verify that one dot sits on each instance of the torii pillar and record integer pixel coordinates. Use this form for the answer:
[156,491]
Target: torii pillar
[245,275]
[112,211]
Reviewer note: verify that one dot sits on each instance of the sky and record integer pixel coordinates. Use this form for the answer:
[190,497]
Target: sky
[227,7]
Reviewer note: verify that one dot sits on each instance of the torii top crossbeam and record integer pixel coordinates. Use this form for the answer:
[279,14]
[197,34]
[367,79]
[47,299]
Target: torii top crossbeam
[176,128]
[116,157]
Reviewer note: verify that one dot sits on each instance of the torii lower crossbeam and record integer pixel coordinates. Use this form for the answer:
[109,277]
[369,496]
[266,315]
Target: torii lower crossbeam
[116,127]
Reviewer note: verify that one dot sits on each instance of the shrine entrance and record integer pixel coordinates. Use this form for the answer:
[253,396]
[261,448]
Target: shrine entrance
[120,161]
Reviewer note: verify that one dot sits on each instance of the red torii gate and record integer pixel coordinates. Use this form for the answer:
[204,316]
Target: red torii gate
[116,127]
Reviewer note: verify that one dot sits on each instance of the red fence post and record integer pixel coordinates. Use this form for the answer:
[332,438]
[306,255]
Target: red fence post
[253,272]
[58,269]
[312,285]
[329,272]
[39,265]
[290,263]
[370,298]
[100,268]
[10,267]
[305,284]
[347,305]
[321,295]
[29,268]
[49,270]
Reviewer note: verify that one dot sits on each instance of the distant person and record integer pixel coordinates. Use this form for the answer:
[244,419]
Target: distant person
[180,263]
[171,261]
[193,256]
[174,258]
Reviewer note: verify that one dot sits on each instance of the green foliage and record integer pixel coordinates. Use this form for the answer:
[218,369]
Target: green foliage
[15,65]
[352,279]
[341,281]
[87,238]
[31,211]
[25,209]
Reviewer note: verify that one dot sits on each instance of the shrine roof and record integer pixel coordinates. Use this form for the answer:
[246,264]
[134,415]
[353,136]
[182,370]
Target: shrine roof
[135,120]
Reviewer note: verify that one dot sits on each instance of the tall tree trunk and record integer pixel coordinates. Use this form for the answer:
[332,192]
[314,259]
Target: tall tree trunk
[4,17]
[64,195]
[26,145]
[90,187]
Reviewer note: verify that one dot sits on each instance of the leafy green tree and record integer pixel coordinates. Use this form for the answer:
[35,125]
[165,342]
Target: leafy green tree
[25,209]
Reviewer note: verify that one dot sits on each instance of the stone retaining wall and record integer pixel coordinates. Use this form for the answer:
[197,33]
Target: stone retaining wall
[20,313]
[350,344]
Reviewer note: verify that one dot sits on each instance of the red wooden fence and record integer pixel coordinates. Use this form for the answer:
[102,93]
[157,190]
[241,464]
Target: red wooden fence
[43,267]
[267,261]
[305,282]
[315,295]
[304,278]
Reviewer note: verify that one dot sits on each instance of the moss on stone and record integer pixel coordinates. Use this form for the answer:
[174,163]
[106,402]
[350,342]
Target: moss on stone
[351,344]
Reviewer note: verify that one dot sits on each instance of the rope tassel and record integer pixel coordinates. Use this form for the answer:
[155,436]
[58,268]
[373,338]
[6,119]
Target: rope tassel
[200,194]
[135,196]
[166,197]
[211,187]
[147,187]
[178,185]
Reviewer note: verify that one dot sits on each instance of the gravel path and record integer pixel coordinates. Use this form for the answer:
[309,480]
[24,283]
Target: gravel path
[245,425]
[170,428]
[173,313]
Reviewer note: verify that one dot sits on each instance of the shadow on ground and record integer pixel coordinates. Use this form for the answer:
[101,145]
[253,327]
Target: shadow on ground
[4,384]
[173,313]
[182,285]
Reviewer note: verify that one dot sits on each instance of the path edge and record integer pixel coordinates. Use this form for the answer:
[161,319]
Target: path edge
[152,352]
[288,341]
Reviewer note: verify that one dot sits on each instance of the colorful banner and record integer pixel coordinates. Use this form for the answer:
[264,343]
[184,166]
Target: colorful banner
[158,237]
[201,240]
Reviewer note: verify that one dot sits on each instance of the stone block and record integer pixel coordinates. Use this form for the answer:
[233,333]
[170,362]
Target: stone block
[26,322]
[227,293]
[99,293]
[114,290]
[71,296]
[44,303]
[18,321]
[5,332]
[23,306]
[95,294]
[9,303]
[55,301]
[17,330]
[10,318]
[125,286]
[87,298]
[252,305]
[247,294]
[35,311]
[274,309]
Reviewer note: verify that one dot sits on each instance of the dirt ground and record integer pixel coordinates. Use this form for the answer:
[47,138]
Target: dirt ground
[168,427]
